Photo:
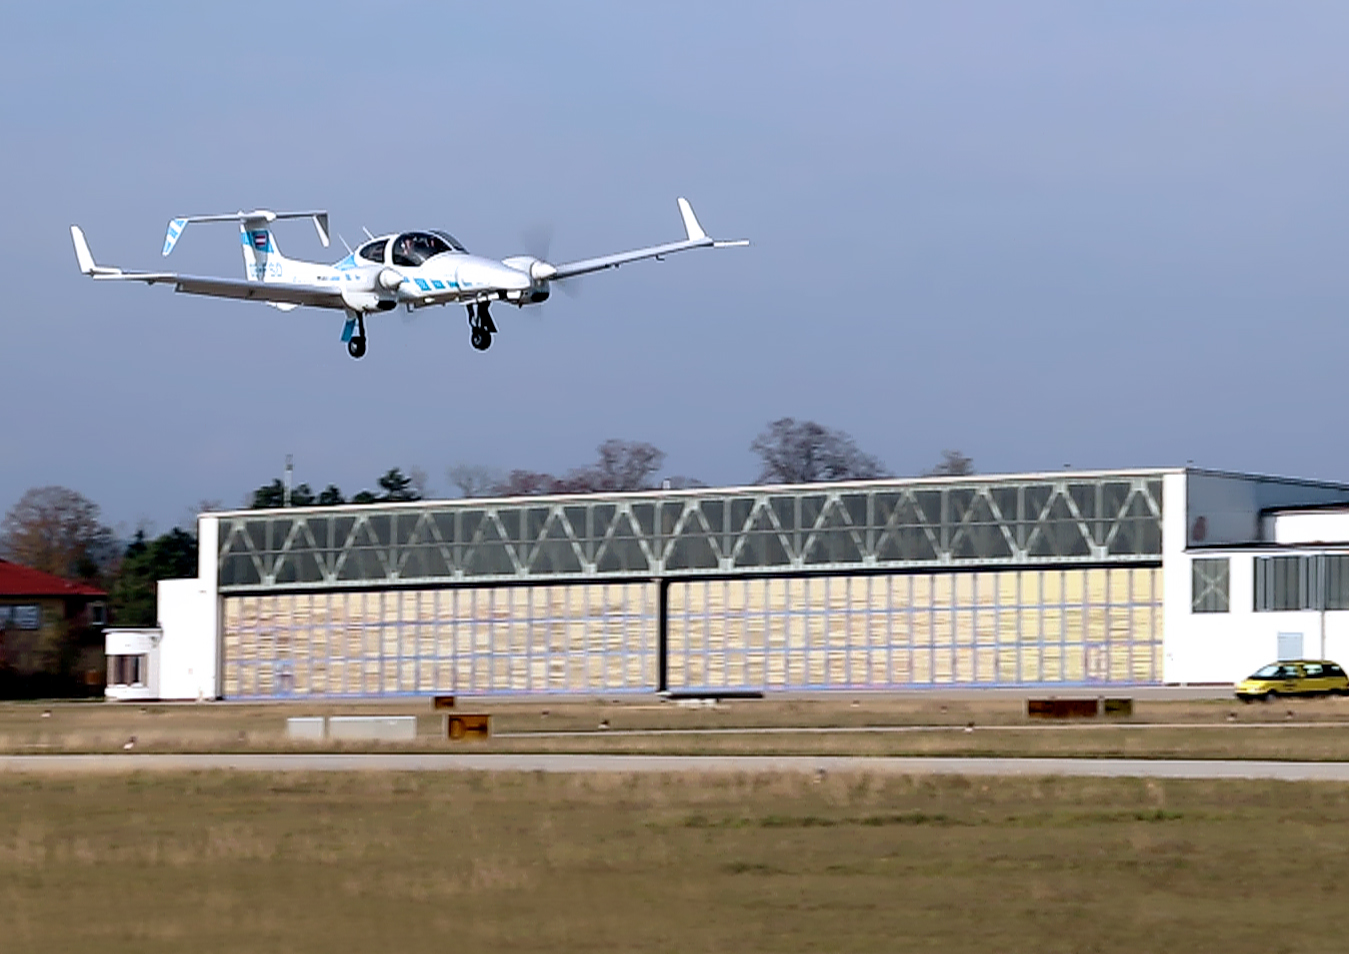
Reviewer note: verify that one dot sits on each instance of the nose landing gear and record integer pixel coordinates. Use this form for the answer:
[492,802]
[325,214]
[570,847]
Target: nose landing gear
[481,327]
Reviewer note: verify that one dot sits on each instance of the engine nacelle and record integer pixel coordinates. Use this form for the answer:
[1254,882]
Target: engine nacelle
[389,279]
[365,301]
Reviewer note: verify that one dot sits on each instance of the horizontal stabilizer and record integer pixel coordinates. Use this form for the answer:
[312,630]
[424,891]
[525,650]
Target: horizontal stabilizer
[257,217]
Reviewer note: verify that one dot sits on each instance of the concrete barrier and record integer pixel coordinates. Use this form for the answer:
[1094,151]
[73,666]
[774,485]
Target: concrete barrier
[372,728]
[306,728]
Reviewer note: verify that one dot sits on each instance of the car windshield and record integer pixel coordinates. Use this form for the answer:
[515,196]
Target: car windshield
[1269,672]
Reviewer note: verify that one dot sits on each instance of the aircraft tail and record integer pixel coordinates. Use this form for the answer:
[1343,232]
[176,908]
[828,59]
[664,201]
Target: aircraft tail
[263,261]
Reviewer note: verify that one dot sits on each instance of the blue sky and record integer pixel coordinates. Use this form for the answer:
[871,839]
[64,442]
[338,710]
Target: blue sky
[1103,235]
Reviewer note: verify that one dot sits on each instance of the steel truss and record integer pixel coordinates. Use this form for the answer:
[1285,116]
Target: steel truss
[1111,518]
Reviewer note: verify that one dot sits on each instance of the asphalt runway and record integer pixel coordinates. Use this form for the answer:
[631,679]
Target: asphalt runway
[648,764]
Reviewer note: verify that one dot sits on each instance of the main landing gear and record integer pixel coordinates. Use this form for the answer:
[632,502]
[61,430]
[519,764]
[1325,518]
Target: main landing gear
[480,325]
[356,343]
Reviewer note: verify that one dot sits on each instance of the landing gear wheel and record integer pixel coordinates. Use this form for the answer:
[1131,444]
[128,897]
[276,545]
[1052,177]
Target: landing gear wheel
[480,326]
[356,346]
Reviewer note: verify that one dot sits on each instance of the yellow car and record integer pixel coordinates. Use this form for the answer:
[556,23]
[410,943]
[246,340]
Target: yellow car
[1294,677]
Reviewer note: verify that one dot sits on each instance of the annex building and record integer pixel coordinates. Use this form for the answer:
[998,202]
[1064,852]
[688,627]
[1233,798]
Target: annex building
[1068,579]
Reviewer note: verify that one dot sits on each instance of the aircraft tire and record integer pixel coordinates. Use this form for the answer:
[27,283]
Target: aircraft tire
[481,339]
[356,346]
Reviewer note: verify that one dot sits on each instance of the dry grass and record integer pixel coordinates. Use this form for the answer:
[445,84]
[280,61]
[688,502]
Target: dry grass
[521,862]
[1214,728]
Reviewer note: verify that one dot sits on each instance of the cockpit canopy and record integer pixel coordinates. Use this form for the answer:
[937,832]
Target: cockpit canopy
[410,249]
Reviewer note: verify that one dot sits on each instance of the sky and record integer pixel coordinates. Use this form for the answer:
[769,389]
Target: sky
[1046,234]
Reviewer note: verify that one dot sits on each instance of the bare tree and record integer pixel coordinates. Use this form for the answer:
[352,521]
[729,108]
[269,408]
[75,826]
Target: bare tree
[621,466]
[56,530]
[474,480]
[526,483]
[953,464]
[799,452]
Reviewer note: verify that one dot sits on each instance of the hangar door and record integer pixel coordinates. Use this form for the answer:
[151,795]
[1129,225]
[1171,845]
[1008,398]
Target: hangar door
[582,638]
[1011,627]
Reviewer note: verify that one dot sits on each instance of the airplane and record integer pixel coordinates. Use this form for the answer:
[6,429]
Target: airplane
[414,269]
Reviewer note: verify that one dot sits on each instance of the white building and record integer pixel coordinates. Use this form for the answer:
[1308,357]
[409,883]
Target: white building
[1069,579]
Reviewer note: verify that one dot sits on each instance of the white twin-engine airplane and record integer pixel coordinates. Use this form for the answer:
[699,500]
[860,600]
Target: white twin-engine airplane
[415,269]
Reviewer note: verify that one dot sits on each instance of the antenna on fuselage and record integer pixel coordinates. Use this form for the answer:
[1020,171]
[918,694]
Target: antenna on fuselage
[367,232]
[344,243]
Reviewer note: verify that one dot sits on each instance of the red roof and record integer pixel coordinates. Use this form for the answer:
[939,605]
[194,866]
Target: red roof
[18,580]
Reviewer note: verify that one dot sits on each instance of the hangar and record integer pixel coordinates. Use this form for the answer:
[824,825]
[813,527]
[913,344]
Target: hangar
[1064,579]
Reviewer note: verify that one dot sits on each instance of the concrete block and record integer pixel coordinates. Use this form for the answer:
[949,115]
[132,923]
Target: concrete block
[307,728]
[372,728]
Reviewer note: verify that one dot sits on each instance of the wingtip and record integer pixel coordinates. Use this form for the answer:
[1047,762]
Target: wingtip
[82,254]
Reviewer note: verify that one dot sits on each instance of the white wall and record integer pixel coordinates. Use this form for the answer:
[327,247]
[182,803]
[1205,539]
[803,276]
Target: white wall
[187,652]
[208,572]
[1309,527]
[1175,575]
[1226,647]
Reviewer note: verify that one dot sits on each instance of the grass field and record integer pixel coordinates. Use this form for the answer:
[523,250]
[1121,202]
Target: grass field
[374,862]
[1305,729]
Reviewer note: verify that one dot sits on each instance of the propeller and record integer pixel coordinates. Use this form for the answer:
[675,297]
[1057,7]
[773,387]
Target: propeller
[537,240]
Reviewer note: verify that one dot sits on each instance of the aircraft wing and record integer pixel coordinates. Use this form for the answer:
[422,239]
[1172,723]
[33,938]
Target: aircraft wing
[697,238]
[276,292]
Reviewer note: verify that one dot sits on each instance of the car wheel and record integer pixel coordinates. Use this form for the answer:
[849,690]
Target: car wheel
[1270,696]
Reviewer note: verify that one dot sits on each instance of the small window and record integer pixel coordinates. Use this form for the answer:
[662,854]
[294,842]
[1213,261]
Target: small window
[1209,585]
[98,614]
[1313,671]
[128,670]
[1333,670]
[374,251]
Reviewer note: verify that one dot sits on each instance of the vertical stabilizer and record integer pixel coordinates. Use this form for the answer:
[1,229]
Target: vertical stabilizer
[263,261]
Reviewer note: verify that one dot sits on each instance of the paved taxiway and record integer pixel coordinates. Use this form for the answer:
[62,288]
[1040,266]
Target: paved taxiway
[886,765]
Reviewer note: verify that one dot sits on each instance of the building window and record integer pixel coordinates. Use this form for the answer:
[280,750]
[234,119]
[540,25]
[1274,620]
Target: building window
[23,616]
[1336,580]
[1281,584]
[127,670]
[1208,593]
[1319,582]
[98,614]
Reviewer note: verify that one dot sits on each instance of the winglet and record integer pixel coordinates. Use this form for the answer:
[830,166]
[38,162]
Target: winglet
[86,258]
[321,226]
[82,253]
[691,226]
